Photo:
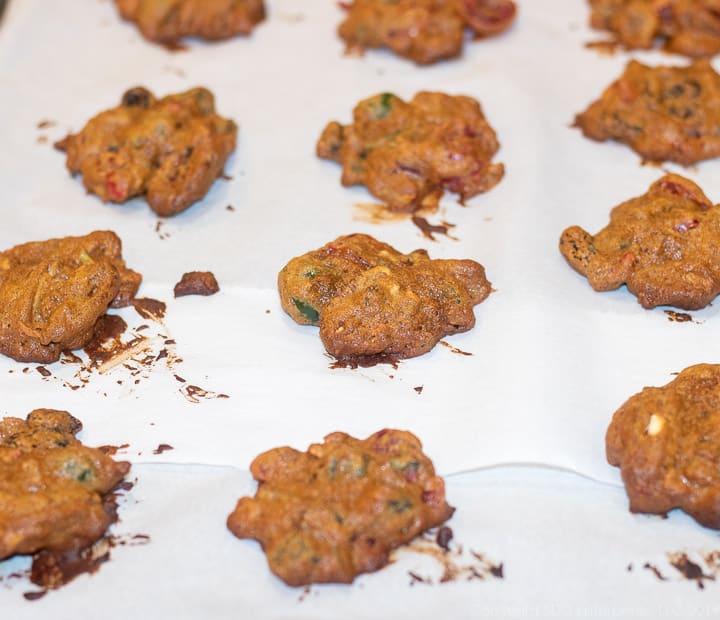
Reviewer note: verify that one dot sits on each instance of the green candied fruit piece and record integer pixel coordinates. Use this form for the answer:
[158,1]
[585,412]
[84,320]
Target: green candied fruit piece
[382,105]
[306,310]
[399,505]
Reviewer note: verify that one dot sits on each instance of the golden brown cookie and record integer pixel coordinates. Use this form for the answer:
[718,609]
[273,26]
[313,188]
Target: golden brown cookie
[689,27]
[369,300]
[51,486]
[53,292]
[665,245]
[662,113]
[171,150]
[168,21]
[337,510]
[424,31]
[408,154]
[666,442]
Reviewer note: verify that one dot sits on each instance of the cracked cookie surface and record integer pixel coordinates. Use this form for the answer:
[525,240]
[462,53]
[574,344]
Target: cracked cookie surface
[689,27]
[666,442]
[371,300]
[664,245]
[51,486]
[168,21]
[53,292]
[170,150]
[408,153]
[662,113]
[424,31]
[337,510]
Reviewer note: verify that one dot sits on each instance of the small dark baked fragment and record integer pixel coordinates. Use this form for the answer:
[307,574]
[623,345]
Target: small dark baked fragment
[53,292]
[407,154]
[689,27]
[370,300]
[171,150]
[665,245]
[666,442]
[662,113]
[167,21]
[51,486]
[196,283]
[337,510]
[425,31]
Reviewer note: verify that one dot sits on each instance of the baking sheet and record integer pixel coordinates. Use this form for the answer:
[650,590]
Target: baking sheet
[551,359]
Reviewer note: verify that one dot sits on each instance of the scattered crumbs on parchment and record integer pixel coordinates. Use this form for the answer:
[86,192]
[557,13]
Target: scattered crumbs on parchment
[230,208]
[454,349]
[419,389]
[163,447]
[196,394]
[680,317]
[697,567]
[160,230]
[429,230]
[456,563]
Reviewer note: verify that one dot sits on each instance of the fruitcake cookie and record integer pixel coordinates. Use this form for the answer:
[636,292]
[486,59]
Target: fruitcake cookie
[689,27]
[407,154]
[369,300]
[171,150]
[665,245]
[662,113]
[666,442]
[337,510]
[167,21]
[424,31]
[51,486]
[53,292]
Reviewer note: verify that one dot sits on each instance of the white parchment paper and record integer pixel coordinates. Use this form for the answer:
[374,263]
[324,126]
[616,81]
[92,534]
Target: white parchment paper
[551,358]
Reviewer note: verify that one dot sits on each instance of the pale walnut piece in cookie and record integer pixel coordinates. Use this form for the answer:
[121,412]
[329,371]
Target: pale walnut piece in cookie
[171,150]
[408,154]
[167,21]
[371,300]
[662,113]
[666,442]
[53,292]
[665,245]
[424,31]
[51,486]
[337,510]
[689,27]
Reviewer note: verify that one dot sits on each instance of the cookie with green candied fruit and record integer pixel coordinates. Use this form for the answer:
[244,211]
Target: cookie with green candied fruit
[170,150]
[339,509]
[53,489]
[372,302]
[408,153]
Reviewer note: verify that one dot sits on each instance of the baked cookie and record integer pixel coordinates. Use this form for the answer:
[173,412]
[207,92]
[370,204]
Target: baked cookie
[53,292]
[171,150]
[337,510]
[167,21]
[424,31]
[666,442]
[407,154]
[665,245]
[369,300]
[689,27]
[662,113]
[51,486]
